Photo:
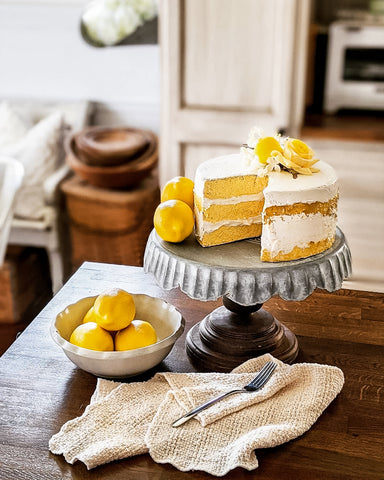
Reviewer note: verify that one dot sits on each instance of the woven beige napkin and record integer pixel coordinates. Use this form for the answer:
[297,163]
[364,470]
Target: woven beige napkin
[126,419]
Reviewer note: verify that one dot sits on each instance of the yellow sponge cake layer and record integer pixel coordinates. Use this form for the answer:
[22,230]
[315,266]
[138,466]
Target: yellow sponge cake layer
[312,248]
[325,208]
[237,185]
[233,211]
[227,234]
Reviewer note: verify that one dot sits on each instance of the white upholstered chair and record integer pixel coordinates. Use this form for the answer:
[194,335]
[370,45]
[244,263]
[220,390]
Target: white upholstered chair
[37,218]
[11,177]
[45,232]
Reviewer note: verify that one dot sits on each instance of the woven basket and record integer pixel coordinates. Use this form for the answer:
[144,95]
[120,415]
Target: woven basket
[24,284]
[110,226]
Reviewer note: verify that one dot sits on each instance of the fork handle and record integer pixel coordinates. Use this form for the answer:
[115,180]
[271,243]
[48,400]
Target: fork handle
[192,413]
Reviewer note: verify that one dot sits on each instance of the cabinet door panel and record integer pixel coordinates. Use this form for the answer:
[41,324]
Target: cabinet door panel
[225,51]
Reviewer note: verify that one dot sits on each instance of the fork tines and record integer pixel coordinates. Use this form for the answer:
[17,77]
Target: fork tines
[262,377]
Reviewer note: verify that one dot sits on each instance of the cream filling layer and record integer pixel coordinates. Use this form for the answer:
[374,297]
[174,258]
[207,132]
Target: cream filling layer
[257,197]
[203,227]
[283,233]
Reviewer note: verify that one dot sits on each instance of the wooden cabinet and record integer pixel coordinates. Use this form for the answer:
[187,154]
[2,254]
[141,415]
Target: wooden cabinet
[228,65]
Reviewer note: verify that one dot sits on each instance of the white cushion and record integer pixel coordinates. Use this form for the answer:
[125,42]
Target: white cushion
[76,114]
[12,127]
[39,149]
[33,131]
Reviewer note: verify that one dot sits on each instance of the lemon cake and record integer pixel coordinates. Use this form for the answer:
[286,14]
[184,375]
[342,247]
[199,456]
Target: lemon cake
[281,197]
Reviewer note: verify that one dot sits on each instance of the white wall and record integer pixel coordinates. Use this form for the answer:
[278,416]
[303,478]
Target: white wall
[42,56]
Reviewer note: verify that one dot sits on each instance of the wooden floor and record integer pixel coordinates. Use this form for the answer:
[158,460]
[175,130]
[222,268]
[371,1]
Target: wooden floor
[364,126]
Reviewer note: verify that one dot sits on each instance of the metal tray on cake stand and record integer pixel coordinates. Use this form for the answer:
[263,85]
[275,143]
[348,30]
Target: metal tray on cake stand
[241,328]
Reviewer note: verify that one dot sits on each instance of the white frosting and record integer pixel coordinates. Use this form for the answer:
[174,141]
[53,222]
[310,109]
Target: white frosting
[207,202]
[283,233]
[283,189]
[209,227]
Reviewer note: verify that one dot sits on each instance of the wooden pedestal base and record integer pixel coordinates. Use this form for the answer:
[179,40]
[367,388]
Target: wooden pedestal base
[232,334]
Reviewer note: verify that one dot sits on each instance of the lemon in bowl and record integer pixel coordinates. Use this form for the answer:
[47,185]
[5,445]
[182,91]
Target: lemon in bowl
[138,334]
[113,310]
[165,319]
[90,335]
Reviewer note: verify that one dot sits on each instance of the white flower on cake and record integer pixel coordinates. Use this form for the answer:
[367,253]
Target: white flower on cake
[254,136]
[272,165]
[275,153]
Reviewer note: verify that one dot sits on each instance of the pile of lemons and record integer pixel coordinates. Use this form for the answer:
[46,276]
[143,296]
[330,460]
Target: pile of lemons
[173,219]
[110,324]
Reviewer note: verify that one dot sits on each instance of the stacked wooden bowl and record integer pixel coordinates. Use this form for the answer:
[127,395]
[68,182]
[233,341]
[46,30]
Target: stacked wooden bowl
[110,157]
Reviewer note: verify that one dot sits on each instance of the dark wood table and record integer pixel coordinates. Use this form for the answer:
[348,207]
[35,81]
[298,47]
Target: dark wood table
[40,389]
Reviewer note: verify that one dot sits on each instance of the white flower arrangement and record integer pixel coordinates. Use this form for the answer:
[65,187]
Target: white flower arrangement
[108,22]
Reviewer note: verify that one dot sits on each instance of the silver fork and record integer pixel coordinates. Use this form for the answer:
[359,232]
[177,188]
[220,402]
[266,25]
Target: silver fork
[258,382]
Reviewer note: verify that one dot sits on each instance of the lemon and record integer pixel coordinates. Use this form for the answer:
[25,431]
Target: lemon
[90,335]
[138,334]
[265,146]
[173,221]
[178,188]
[90,316]
[112,310]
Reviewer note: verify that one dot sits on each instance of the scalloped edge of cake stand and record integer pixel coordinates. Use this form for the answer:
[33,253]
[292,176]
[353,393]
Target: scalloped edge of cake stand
[199,274]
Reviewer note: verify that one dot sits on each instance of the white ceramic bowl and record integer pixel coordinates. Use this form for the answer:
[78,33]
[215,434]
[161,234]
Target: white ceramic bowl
[166,320]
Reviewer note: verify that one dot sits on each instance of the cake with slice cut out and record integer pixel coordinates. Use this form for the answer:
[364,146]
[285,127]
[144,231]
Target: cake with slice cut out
[274,188]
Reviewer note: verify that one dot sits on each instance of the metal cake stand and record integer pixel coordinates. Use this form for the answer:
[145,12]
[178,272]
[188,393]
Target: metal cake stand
[241,328]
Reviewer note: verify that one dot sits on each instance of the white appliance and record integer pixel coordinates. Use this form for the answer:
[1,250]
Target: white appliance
[355,66]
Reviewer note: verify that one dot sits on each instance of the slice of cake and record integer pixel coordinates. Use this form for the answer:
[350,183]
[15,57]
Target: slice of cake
[228,200]
[278,194]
